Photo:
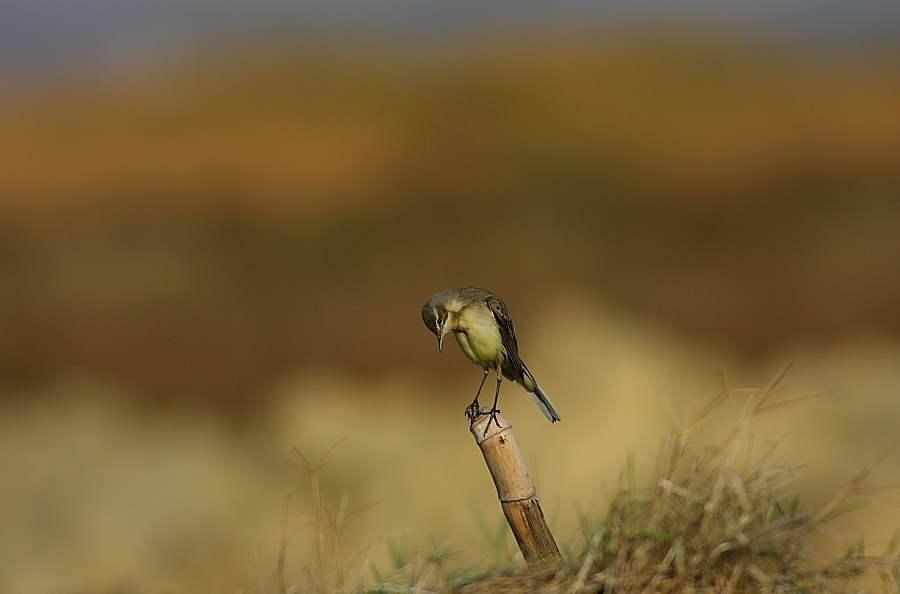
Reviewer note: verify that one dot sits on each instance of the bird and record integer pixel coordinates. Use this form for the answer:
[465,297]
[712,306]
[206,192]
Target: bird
[480,322]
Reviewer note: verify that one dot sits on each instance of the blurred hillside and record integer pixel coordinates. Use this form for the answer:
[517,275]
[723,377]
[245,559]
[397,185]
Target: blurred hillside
[199,230]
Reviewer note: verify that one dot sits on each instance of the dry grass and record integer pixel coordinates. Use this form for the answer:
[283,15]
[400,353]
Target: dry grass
[328,570]
[719,518]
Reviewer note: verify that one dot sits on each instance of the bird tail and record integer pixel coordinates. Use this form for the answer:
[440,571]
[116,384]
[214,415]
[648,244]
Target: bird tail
[534,390]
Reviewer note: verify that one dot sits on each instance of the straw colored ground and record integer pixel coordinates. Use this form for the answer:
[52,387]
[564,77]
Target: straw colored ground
[112,496]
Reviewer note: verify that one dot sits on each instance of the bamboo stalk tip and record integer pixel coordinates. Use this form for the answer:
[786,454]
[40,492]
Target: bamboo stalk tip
[483,426]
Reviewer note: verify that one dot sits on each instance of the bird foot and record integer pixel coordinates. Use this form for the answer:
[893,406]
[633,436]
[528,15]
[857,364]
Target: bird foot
[493,412]
[475,410]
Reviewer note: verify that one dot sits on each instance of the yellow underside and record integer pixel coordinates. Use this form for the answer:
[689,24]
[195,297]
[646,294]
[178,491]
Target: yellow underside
[479,338]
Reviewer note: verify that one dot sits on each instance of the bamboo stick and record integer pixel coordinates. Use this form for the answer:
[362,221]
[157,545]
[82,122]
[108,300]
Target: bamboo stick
[516,491]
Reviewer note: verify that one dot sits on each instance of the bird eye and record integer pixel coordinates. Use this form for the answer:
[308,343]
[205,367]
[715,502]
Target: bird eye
[440,320]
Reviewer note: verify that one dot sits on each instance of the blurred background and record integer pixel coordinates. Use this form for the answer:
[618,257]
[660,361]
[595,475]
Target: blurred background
[219,222]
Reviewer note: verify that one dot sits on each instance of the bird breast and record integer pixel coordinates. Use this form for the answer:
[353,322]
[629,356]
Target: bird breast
[479,338]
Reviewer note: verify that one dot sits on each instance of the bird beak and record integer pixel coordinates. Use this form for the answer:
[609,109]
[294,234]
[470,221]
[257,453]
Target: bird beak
[440,342]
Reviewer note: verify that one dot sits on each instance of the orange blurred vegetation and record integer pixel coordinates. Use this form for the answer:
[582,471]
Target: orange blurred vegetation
[174,229]
[304,127]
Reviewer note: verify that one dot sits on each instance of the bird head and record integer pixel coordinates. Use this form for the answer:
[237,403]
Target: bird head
[435,317]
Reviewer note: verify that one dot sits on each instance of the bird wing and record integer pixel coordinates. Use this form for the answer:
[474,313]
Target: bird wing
[513,368]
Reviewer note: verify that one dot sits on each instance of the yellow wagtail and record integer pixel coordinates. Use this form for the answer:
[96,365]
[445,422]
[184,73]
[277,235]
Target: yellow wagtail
[484,331]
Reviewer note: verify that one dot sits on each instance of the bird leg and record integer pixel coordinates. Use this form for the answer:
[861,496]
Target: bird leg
[474,409]
[494,410]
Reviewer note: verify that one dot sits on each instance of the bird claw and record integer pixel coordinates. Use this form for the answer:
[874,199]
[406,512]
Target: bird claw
[493,413]
[475,410]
